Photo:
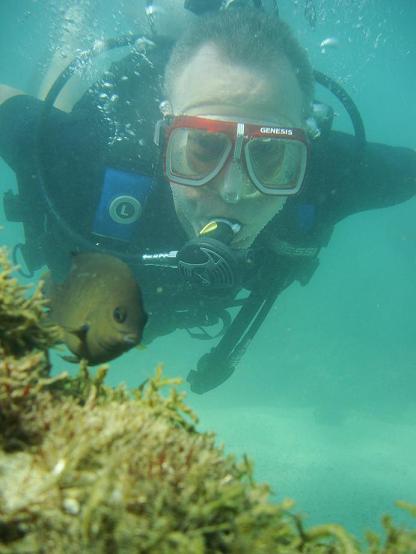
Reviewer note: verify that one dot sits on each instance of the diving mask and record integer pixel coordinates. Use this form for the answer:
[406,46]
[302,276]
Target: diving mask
[198,148]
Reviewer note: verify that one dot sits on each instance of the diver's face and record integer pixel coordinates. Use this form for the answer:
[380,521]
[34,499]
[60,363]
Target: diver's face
[209,86]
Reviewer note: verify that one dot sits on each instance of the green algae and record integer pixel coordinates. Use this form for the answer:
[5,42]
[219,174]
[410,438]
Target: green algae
[89,468]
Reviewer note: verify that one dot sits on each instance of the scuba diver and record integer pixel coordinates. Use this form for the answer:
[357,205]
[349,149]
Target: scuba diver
[205,164]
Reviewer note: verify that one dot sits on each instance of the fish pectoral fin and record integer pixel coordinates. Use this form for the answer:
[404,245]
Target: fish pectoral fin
[80,332]
[140,347]
[71,359]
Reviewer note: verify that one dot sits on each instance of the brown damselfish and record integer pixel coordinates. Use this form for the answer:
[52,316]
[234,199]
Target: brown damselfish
[99,307]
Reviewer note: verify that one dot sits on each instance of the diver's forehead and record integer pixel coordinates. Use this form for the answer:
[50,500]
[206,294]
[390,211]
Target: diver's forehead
[209,85]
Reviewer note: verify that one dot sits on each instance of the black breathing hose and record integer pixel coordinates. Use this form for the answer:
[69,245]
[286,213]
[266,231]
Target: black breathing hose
[349,105]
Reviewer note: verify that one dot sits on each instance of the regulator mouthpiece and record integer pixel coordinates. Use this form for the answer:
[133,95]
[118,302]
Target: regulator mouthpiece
[221,229]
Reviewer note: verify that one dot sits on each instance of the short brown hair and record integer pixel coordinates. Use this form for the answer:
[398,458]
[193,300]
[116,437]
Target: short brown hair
[248,37]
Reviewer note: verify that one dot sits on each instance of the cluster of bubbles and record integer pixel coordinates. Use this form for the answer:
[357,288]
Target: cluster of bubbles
[108,104]
[116,99]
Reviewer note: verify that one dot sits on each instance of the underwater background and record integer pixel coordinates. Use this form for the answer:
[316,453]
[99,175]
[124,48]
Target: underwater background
[323,401]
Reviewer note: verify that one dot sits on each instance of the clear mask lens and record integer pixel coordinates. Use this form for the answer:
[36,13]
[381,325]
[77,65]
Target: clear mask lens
[276,164]
[196,155]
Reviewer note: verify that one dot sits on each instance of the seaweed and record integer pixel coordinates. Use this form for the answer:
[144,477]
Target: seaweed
[23,318]
[89,468]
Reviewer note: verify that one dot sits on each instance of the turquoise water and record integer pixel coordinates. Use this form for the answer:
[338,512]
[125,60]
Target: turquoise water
[324,399]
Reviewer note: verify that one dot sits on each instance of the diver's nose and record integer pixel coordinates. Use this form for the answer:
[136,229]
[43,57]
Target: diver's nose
[236,184]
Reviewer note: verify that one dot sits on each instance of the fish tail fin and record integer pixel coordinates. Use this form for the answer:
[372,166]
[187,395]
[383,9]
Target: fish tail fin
[71,359]
[47,285]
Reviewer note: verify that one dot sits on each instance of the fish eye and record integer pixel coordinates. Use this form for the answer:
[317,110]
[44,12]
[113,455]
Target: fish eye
[120,314]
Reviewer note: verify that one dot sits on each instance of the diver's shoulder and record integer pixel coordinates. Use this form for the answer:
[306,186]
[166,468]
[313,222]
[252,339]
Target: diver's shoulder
[333,139]
[17,105]
[347,143]
[7,92]
[15,100]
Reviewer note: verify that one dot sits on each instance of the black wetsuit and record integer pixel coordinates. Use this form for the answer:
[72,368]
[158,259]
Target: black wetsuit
[77,147]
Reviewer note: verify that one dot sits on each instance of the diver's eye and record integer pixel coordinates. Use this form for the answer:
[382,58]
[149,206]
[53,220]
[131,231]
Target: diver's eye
[120,314]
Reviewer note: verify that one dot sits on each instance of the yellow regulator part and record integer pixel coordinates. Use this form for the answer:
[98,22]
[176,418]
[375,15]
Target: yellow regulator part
[208,228]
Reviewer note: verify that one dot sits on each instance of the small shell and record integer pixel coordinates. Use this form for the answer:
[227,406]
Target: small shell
[71,506]
[59,467]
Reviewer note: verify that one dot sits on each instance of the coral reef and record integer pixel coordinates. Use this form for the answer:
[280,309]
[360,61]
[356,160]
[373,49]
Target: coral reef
[93,469]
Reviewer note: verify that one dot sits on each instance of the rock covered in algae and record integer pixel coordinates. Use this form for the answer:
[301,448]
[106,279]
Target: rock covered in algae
[87,468]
